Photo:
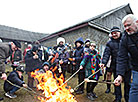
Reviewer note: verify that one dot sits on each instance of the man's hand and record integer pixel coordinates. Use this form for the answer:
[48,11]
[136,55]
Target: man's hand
[25,85]
[4,76]
[81,67]
[74,63]
[60,70]
[86,80]
[61,62]
[118,80]
[102,67]
[35,56]
[73,59]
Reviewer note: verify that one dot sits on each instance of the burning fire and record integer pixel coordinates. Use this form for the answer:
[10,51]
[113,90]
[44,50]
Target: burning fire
[53,88]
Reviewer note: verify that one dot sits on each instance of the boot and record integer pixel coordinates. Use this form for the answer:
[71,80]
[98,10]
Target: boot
[94,95]
[108,87]
[1,98]
[79,91]
[116,100]
[89,96]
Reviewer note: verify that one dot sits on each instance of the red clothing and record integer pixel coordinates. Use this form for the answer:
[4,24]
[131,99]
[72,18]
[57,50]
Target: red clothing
[25,51]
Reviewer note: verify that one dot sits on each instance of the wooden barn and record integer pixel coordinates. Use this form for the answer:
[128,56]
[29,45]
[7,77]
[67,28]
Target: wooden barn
[8,34]
[96,28]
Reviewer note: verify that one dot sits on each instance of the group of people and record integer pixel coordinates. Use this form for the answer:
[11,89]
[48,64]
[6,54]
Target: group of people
[119,58]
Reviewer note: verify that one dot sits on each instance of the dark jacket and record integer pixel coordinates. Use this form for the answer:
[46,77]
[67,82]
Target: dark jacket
[43,54]
[15,79]
[64,57]
[78,54]
[5,52]
[31,63]
[112,48]
[16,56]
[128,44]
[80,40]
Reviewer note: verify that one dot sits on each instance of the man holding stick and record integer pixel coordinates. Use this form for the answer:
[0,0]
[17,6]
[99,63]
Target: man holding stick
[129,44]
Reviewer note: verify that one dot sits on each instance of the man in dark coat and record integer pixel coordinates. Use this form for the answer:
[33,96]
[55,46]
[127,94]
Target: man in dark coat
[129,44]
[33,61]
[112,48]
[16,78]
[16,58]
[6,50]
[77,58]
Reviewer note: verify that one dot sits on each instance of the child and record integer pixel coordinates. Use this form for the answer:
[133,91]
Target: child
[91,62]
[16,78]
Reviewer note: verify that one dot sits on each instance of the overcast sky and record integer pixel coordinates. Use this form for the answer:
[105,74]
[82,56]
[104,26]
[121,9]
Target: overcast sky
[49,16]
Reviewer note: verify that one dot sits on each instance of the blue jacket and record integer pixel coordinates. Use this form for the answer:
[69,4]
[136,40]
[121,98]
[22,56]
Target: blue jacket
[128,44]
[80,39]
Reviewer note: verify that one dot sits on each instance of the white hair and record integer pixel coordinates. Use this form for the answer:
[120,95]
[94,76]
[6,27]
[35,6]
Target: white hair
[0,40]
[129,16]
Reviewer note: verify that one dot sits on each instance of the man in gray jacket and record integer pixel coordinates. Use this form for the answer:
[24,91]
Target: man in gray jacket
[6,50]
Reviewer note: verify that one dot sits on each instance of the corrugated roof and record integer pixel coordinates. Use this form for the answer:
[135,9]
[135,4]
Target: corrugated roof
[128,9]
[19,34]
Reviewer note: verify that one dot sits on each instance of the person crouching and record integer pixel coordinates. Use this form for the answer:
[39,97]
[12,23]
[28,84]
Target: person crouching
[45,67]
[14,78]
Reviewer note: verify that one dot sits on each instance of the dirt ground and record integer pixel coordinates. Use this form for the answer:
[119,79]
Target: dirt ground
[24,96]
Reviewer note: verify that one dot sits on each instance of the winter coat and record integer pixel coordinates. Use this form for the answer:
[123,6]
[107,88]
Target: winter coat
[112,48]
[91,63]
[5,52]
[16,56]
[15,79]
[31,63]
[43,54]
[78,55]
[128,44]
[64,57]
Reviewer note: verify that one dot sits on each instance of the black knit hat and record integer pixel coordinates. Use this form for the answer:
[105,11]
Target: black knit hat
[35,48]
[115,29]
[20,68]
[17,43]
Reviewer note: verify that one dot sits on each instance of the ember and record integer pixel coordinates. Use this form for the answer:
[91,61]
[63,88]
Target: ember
[53,88]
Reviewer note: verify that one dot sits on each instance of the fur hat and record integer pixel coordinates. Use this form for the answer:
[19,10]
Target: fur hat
[92,44]
[60,39]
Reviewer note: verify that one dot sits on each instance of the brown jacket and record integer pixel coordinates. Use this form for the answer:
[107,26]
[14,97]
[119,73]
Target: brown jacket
[5,52]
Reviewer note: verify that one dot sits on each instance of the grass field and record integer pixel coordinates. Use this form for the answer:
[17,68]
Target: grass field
[24,96]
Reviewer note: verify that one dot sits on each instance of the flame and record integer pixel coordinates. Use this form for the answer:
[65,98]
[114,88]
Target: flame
[53,88]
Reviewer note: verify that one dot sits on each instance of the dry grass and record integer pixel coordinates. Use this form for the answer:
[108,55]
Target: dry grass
[24,96]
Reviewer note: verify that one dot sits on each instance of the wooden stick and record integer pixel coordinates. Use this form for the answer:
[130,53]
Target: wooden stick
[71,77]
[87,80]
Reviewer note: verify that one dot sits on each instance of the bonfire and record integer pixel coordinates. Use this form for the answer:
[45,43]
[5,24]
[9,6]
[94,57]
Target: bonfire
[52,88]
